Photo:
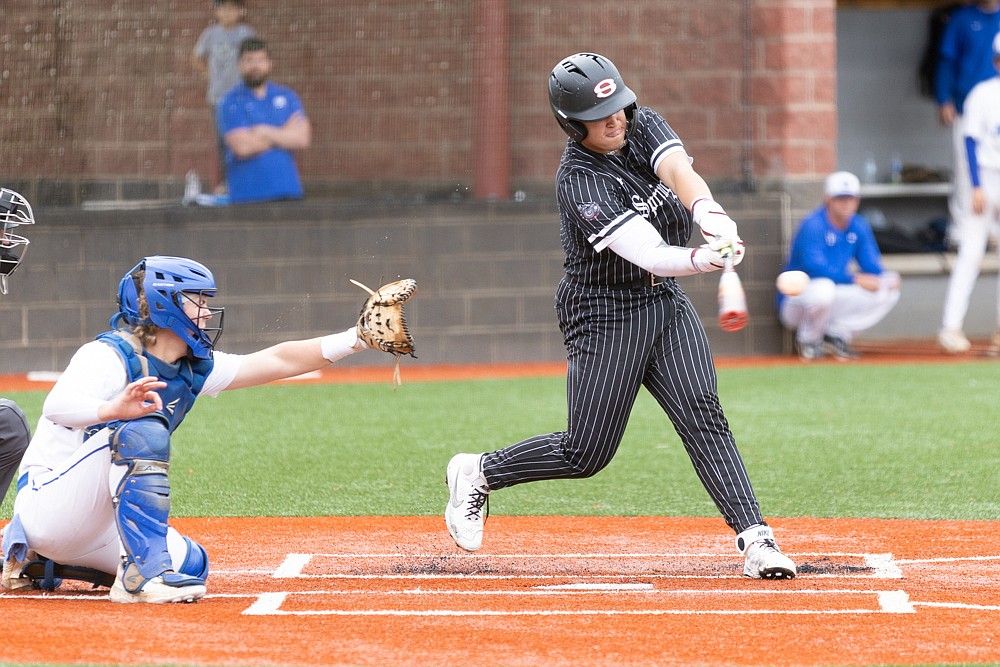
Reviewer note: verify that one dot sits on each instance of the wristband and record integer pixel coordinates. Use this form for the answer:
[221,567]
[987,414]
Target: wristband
[339,345]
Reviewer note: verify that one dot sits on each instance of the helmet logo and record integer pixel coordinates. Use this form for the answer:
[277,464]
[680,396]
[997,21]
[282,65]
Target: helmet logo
[605,88]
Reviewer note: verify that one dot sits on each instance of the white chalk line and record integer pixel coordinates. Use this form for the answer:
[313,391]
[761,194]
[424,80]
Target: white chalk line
[269,604]
[882,566]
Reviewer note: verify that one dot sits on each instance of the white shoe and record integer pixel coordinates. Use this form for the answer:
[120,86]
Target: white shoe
[994,349]
[468,505]
[13,579]
[764,559]
[953,341]
[168,587]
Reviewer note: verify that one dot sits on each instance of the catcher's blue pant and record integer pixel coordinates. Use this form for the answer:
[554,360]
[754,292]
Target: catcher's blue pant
[617,341]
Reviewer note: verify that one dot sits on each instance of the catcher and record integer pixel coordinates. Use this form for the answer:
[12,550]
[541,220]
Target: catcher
[110,417]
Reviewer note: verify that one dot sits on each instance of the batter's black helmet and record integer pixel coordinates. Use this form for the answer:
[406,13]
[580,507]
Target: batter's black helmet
[586,87]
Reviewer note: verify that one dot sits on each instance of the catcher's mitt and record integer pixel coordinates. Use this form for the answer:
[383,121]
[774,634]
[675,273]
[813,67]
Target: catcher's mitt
[382,323]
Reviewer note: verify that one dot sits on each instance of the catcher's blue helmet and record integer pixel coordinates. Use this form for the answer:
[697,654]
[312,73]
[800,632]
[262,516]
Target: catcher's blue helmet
[166,283]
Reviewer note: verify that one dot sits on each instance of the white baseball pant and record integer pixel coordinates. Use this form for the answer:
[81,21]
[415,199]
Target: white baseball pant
[972,235]
[840,311]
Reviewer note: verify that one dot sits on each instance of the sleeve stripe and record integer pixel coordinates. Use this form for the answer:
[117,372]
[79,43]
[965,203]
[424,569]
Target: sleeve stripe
[664,150]
[603,239]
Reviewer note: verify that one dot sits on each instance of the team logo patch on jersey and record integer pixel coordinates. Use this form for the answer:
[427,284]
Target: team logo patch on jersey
[589,211]
[605,87]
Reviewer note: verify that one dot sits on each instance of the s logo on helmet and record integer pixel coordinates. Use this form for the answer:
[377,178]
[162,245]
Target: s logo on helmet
[605,88]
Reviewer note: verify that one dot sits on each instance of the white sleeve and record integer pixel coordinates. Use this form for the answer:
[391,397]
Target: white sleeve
[95,374]
[223,372]
[638,242]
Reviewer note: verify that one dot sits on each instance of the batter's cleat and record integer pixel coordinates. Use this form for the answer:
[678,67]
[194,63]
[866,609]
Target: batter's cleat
[167,587]
[468,505]
[810,351]
[764,559]
[953,341]
[839,348]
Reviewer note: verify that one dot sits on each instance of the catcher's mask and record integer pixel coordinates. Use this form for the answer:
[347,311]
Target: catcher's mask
[588,87]
[167,283]
[14,211]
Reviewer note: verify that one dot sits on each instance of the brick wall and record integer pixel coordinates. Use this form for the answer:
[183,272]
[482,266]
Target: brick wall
[98,100]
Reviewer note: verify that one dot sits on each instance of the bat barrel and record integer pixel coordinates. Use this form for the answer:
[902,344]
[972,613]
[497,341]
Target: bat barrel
[733,314]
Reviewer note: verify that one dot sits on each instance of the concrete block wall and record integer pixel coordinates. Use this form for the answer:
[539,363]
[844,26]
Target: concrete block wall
[486,272]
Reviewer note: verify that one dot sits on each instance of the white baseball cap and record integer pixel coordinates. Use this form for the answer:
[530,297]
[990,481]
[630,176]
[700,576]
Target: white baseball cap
[843,184]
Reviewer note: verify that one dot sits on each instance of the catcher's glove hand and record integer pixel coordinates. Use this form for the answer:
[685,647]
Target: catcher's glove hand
[382,323]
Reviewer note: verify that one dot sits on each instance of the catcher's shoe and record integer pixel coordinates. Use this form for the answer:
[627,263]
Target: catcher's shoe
[764,559]
[14,578]
[468,505]
[167,587]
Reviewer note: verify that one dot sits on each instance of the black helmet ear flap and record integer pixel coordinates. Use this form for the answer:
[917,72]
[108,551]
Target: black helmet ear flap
[576,130]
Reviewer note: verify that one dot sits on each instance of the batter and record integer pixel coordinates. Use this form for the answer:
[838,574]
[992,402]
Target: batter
[628,198]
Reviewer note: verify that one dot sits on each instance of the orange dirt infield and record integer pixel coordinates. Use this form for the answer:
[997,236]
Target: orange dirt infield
[543,591]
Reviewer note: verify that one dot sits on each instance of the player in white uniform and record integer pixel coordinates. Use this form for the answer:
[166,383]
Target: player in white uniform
[93,494]
[981,218]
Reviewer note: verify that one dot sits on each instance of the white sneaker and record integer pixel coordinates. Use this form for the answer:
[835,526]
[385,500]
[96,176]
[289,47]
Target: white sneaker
[763,558]
[953,341]
[13,579]
[994,349]
[468,505]
[168,587]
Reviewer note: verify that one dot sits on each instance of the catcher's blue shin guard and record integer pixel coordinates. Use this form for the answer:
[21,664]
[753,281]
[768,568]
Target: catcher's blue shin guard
[142,501]
[195,563]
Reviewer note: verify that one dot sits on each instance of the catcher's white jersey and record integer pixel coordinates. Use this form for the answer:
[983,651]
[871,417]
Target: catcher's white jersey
[982,122]
[96,373]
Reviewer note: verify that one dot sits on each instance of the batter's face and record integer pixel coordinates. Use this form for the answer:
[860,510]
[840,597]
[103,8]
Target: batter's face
[606,135]
[255,67]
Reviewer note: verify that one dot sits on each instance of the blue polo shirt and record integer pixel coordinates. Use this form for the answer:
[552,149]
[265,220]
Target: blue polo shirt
[272,174]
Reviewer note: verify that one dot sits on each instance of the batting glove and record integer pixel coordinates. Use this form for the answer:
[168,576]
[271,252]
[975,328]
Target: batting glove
[715,224]
[705,258]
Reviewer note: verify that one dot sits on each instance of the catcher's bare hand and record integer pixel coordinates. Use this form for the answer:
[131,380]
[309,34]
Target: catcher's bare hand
[137,400]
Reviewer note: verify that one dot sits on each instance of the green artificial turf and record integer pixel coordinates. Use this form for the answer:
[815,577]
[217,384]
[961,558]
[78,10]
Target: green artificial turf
[852,440]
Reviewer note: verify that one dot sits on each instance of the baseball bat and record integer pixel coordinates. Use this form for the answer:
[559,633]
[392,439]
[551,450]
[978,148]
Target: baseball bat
[733,313]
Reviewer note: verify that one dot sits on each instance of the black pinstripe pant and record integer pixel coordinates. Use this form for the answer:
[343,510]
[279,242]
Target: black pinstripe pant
[617,342]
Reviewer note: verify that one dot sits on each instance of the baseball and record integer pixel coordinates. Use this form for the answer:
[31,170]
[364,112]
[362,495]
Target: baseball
[792,283]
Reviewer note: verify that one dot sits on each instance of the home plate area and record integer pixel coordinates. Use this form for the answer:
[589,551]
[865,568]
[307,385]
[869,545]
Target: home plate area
[550,584]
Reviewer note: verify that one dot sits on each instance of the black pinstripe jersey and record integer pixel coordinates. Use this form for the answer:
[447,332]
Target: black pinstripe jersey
[597,194]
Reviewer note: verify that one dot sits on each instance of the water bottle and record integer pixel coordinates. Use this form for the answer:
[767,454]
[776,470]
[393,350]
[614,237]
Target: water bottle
[870,174]
[896,171]
[192,187]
